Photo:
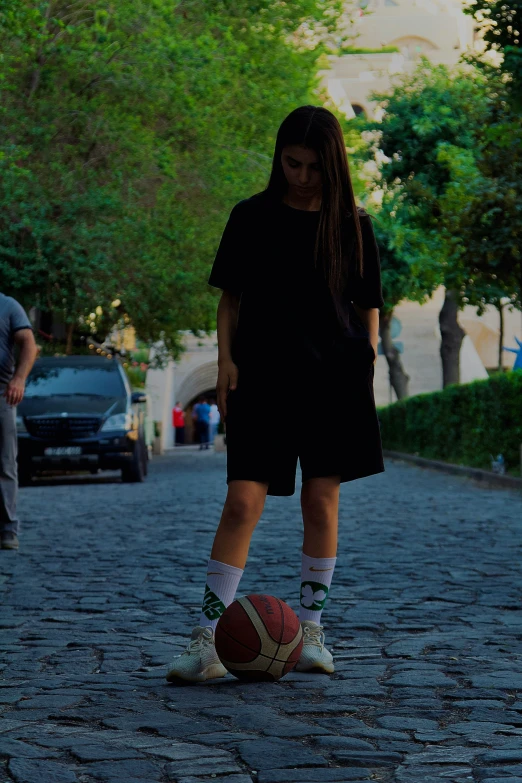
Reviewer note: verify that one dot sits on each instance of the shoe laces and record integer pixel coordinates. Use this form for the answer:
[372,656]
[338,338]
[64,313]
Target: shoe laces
[314,635]
[196,645]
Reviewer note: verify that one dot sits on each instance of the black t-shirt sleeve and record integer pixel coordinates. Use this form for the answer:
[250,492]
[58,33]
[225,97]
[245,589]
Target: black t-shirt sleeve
[228,267]
[366,291]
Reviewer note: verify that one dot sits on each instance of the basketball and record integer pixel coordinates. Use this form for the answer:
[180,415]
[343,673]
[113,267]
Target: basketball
[259,637]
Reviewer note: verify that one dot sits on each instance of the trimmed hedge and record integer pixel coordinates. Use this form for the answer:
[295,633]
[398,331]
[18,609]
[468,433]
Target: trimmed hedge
[463,424]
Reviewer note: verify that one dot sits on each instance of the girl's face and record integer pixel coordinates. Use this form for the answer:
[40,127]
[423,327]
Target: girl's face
[302,171]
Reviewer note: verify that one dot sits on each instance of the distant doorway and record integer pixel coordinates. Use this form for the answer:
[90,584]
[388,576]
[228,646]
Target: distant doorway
[191,434]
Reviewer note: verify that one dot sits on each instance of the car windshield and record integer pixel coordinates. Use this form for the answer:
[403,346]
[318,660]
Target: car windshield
[51,380]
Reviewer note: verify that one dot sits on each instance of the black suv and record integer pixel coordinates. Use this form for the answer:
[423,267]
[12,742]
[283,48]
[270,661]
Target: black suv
[79,413]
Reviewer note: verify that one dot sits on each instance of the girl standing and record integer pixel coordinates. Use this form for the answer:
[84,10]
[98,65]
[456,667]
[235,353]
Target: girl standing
[297,330]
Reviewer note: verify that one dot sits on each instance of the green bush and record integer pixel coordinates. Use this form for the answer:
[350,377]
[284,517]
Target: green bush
[136,377]
[462,424]
[140,355]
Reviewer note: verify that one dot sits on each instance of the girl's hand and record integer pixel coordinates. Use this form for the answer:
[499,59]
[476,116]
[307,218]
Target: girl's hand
[227,381]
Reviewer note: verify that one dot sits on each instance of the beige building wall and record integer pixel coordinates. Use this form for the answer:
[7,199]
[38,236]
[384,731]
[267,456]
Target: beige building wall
[437,29]
[159,387]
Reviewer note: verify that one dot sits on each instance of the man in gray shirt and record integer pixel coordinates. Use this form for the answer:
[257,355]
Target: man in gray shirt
[15,329]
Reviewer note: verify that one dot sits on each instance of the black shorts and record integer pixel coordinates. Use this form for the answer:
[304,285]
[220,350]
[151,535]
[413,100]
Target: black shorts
[269,430]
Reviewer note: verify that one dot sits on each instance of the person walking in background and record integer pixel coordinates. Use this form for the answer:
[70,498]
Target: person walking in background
[15,330]
[178,422]
[201,416]
[299,268]
[215,418]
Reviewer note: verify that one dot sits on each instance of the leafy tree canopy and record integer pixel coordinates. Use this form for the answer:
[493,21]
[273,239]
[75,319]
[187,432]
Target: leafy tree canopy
[449,166]
[501,26]
[129,131]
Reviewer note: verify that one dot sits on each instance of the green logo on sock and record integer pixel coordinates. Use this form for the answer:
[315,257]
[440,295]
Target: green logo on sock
[313,595]
[212,607]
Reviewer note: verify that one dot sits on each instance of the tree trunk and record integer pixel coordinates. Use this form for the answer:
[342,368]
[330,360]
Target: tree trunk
[35,77]
[40,60]
[452,335]
[399,379]
[501,336]
[69,339]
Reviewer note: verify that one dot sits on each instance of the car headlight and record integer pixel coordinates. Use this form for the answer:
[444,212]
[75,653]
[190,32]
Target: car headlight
[20,424]
[120,421]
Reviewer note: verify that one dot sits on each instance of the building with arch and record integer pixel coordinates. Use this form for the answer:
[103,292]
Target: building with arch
[193,375]
[437,29]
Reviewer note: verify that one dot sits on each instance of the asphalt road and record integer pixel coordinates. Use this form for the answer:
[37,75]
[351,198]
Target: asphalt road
[424,619]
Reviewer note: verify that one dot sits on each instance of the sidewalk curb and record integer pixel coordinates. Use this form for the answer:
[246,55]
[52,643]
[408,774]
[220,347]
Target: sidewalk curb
[477,474]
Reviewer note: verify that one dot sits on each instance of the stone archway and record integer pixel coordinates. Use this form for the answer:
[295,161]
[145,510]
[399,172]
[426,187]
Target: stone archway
[199,381]
[412,47]
[358,110]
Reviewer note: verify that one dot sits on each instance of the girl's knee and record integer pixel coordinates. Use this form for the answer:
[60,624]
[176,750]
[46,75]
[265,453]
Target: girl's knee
[318,504]
[242,509]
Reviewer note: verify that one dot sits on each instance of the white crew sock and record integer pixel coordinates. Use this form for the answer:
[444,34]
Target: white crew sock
[316,578]
[220,591]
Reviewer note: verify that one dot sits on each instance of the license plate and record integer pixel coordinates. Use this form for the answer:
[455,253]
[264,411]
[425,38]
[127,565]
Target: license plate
[63,451]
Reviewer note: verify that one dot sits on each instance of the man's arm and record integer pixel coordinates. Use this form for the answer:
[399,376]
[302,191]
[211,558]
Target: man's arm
[28,352]
[370,319]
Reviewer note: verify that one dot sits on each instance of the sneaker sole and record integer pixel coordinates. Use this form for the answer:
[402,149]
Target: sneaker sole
[8,546]
[320,668]
[213,672]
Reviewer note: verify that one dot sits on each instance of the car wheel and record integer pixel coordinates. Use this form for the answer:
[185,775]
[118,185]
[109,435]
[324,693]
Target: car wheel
[134,472]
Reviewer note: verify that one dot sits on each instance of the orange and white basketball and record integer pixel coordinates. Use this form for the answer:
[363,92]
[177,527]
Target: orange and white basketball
[259,637]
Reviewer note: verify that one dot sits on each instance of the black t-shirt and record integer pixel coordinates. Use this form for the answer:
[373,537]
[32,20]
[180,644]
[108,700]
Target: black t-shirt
[287,315]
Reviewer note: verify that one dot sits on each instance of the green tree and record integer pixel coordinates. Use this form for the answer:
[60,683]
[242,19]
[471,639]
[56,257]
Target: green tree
[129,131]
[500,23]
[441,136]
[483,225]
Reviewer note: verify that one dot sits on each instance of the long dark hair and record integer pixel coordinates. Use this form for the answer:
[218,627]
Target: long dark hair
[318,129]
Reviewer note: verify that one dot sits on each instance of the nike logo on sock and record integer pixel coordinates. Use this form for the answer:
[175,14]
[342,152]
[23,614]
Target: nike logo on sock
[215,573]
[320,569]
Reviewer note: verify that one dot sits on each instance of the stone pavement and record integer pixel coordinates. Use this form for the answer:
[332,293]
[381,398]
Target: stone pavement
[425,621]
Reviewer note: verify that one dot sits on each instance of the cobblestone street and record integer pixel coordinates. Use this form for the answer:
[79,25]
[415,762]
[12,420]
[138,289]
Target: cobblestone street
[424,620]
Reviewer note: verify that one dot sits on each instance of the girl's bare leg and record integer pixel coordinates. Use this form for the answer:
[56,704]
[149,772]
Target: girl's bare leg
[320,507]
[243,507]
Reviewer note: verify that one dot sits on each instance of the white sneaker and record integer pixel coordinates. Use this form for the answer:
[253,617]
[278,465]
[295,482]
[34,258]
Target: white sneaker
[314,655]
[200,660]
